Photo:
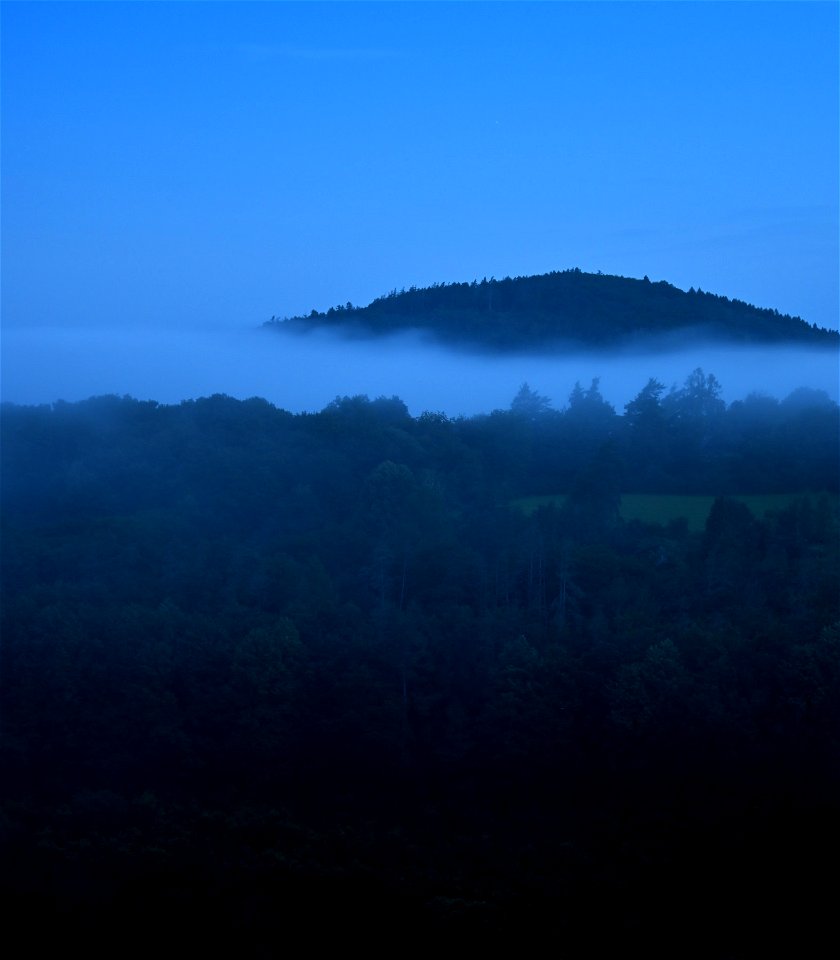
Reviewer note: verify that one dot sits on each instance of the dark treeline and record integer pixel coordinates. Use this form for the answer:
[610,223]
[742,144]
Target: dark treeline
[266,675]
[561,308]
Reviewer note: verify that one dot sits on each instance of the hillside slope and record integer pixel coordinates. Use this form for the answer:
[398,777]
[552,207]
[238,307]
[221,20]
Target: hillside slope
[560,308]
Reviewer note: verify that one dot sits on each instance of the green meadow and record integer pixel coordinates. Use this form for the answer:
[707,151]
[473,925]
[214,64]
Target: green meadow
[665,507]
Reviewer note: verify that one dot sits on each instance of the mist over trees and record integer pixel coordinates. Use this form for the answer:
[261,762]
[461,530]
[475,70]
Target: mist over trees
[260,668]
[563,308]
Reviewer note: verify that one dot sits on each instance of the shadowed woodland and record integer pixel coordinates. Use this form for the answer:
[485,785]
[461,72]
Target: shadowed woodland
[267,674]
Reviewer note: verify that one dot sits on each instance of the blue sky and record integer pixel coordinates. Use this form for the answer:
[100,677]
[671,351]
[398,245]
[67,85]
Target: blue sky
[195,163]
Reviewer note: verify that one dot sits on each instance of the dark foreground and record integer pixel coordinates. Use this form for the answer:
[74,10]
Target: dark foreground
[275,682]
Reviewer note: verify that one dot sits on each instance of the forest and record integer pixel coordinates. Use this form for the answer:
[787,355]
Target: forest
[269,675]
[562,309]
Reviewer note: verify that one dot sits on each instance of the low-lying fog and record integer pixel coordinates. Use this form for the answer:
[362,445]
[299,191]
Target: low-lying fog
[306,373]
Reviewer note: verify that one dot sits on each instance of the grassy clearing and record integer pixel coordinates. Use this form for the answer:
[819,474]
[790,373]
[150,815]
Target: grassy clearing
[664,507]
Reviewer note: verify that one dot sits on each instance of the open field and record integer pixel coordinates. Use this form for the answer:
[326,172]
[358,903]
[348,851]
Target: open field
[664,507]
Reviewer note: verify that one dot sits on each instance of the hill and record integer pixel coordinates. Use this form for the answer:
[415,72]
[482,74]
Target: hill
[561,308]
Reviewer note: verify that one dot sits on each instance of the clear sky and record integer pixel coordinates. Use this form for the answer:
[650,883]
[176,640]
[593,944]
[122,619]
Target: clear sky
[186,163]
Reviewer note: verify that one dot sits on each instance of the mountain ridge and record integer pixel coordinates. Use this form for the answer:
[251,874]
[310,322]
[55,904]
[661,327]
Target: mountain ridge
[561,308]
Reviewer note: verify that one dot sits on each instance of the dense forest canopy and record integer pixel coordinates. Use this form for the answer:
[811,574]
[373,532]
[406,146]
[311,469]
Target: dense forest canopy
[562,308]
[260,667]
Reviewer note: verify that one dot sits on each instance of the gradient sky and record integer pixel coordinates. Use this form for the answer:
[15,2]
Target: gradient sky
[193,163]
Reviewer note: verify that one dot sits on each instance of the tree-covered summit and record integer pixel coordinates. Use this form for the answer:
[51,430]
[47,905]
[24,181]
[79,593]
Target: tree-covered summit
[561,308]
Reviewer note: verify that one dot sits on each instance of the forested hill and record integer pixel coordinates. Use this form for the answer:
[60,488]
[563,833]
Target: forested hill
[559,308]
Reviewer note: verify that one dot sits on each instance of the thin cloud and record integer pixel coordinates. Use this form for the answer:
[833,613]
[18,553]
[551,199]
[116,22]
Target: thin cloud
[786,213]
[265,52]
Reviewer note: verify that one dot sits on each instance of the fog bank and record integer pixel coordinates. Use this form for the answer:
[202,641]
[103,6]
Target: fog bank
[306,373]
